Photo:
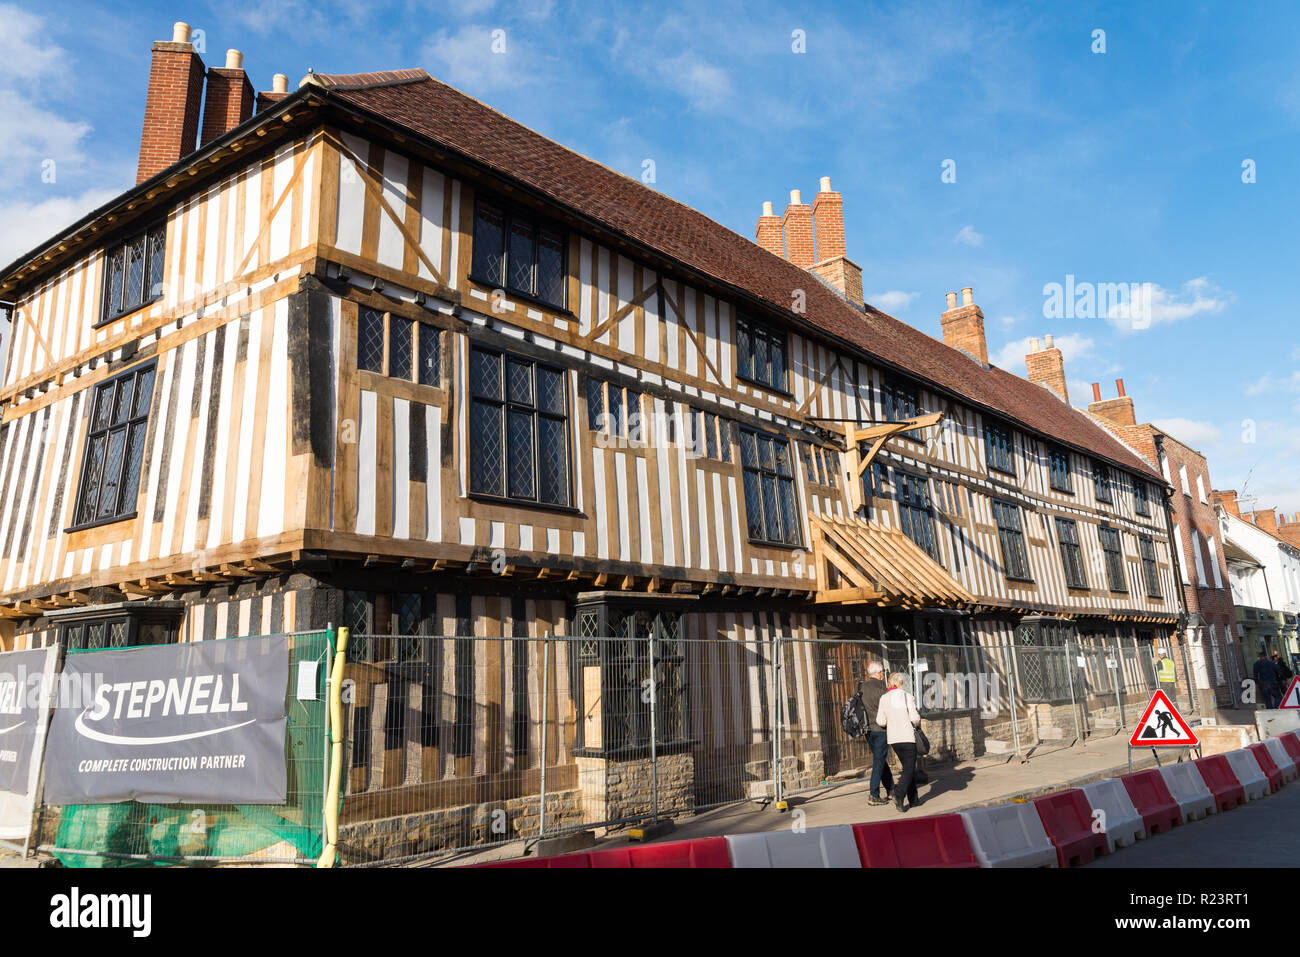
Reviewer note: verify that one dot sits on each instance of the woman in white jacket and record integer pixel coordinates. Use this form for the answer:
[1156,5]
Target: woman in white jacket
[899,717]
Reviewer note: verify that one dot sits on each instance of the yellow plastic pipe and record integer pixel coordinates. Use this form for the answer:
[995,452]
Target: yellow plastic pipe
[330,853]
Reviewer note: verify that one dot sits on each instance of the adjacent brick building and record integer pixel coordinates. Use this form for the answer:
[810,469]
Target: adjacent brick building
[1210,633]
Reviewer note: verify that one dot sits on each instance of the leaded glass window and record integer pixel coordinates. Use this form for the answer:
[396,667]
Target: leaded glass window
[760,355]
[771,512]
[1147,550]
[119,425]
[999,448]
[1060,475]
[1110,547]
[1067,535]
[133,273]
[513,250]
[915,517]
[1015,560]
[519,446]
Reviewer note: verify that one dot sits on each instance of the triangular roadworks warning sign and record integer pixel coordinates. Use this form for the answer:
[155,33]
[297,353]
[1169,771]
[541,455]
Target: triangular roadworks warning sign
[1162,726]
[1292,697]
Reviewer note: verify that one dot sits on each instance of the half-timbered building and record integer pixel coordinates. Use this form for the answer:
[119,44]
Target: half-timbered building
[377,355]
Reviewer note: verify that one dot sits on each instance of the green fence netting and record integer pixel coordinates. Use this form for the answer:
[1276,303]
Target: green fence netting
[132,834]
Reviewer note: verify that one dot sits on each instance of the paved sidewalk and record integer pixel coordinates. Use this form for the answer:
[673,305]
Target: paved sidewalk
[952,787]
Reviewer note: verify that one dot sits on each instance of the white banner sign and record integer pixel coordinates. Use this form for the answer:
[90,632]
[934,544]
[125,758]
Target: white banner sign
[26,689]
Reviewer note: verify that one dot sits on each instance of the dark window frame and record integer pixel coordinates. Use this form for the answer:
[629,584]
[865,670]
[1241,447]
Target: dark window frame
[1060,475]
[135,423]
[421,367]
[1150,571]
[540,226]
[1103,485]
[1141,497]
[1114,558]
[784,498]
[1067,538]
[1000,448]
[1011,540]
[152,274]
[511,407]
[916,511]
[749,335]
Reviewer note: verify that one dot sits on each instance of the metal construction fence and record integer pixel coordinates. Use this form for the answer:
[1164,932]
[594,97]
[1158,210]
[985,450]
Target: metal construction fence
[456,744]
[132,833]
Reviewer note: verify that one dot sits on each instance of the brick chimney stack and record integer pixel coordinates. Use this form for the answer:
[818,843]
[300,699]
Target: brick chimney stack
[1290,530]
[1117,411]
[832,264]
[1047,367]
[963,326]
[1228,499]
[828,221]
[229,99]
[768,231]
[171,111]
[1265,518]
[798,226]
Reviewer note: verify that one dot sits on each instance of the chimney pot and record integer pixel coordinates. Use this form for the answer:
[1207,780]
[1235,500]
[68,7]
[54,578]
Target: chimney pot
[180,32]
[767,209]
[1047,341]
[826,184]
[279,83]
[1096,392]
[967,296]
[794,198]
[234,60]
[1119,387]
[1034,345]
[952,300]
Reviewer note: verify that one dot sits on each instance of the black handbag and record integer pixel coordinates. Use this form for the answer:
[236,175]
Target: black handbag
[922,743]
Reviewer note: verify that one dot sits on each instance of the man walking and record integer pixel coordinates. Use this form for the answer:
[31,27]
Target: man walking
[1267,691]
[873,689]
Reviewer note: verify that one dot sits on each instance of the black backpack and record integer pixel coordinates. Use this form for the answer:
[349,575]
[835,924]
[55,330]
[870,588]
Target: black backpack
[853,716]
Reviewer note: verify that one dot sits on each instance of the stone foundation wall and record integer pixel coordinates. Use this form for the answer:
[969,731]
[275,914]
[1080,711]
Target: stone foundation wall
[468,825]
[618,790]
[951,734]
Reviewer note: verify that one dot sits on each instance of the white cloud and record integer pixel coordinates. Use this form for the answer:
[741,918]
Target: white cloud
[1156,304]
[895,300]
[704,84]
[1199,435]
[1009,320]
[466,58]
[25,56]
[28,224]
[29,134]
[1012,355]
[967,236]
[1271,383]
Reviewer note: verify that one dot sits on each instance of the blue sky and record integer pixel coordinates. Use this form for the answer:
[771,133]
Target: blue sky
[1116,166]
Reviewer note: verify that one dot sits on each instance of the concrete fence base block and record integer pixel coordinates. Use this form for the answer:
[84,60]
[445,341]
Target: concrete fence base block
[1123,824]
[565,843]
[1275,721]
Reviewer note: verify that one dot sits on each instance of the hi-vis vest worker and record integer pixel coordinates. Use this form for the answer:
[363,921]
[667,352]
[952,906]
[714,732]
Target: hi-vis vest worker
[1165,673]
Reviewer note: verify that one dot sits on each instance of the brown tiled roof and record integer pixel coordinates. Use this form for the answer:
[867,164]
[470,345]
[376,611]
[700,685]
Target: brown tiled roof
[460,123]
